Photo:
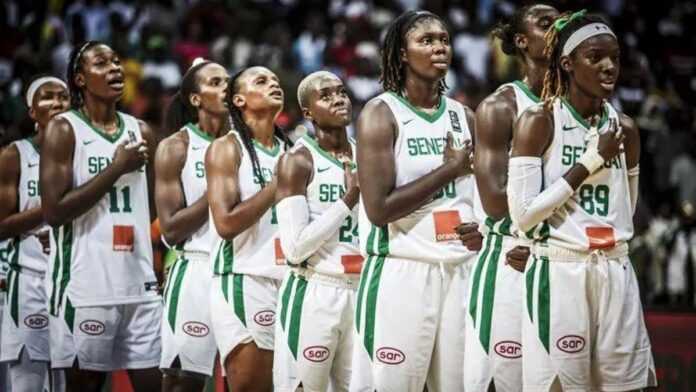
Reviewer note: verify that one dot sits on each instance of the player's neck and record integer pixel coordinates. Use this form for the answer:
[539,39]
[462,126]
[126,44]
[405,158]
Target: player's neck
[534,78]
[262,128]
[333,141]
[422,93]
[213,126]
[37,139]
[587,106]
[101,114]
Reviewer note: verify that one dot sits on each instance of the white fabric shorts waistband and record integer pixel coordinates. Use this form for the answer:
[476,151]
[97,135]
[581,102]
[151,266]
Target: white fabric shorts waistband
[348,282]
[194,256]
[556,253]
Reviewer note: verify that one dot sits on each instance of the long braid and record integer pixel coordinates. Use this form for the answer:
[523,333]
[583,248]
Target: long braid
[393,76]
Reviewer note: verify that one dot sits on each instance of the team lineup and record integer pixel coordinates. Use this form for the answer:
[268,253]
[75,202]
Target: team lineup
[443,249]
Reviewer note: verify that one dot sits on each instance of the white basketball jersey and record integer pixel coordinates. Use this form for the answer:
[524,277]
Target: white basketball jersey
[26,251]
[427,234]
[104,257]
[524,98]
[599,214]
[194,184]
[256,251]
[340,254]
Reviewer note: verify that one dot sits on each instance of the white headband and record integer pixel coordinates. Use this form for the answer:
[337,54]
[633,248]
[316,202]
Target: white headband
[583,33]
[35,85]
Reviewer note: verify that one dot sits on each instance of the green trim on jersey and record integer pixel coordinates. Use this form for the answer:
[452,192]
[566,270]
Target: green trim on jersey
[500,226]
[322,152]
[380,235]
[581,120]
[61,265]
[108,137]
[173,300]
[195,129]
[296,315]
[489,294]
[371,305]
[224,258]
[527,91]
[30,139]
[285,299]
[425,116]
[273,152]
[13,246]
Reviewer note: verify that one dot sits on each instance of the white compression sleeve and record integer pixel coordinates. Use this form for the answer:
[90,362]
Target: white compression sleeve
[528,204]
[633,186]
[300,238]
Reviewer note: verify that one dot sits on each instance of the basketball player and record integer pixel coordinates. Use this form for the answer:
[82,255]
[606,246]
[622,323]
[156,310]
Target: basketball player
[199,113]
[247,263]
[573,178]
[493,324]
[318,224]
[25,336]
[4,268]
[416,188]
[104,306]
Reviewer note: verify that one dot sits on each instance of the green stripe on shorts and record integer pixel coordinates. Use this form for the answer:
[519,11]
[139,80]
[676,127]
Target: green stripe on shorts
[66,253]
[69,315]
[238,297]
[473,300]
[285,299]
[544,303]
[371,305]
[529,284]
[296,316]
[489,294]
[14,296]
[175,291]
[361,291]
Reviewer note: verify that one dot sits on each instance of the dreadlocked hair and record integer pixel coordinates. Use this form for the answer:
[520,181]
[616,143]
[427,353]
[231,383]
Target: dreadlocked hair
[239,125]
[393,76]
[506,30]
[556,80]
[75,66]
[180,111]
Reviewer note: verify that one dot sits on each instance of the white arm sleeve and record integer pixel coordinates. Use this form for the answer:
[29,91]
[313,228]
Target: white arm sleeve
[300,238]
[528,204]
[633,186]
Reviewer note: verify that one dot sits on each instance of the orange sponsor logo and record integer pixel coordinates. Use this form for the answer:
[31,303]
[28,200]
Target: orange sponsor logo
[352,264]
[124,238]
[600,237]
[279,255]
[445,222]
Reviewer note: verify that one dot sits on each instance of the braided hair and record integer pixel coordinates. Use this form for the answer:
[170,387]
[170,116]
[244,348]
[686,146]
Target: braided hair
[238,124]
[180,111]
[556,80]
[393,77]
[75,66]
[505,31]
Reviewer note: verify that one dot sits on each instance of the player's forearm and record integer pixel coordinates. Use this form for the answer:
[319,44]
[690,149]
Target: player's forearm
[21,222]
[245,214]
[529,205]
[183,223]
[78,201]
[409,197]
[300,238]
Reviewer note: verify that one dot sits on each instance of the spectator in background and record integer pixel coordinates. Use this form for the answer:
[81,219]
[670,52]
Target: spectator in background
[310,44]
[159,65]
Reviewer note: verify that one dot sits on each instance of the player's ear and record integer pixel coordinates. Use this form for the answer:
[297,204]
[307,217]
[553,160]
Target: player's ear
[307,114]
[521,41]
[238,100]
[566,64]
[195,100]
[32,113]
[403,56]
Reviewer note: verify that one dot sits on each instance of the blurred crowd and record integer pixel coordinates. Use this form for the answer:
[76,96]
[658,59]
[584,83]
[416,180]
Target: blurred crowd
[158,40]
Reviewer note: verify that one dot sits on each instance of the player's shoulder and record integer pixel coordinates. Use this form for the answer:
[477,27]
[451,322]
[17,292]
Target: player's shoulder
[502,101]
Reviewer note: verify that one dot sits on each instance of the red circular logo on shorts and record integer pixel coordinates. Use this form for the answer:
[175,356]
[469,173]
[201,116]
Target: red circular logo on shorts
[316,353]
[265,318]
[36,321]
[508,349]
[571,344]
[195,329]
[390,355]
[92,327]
